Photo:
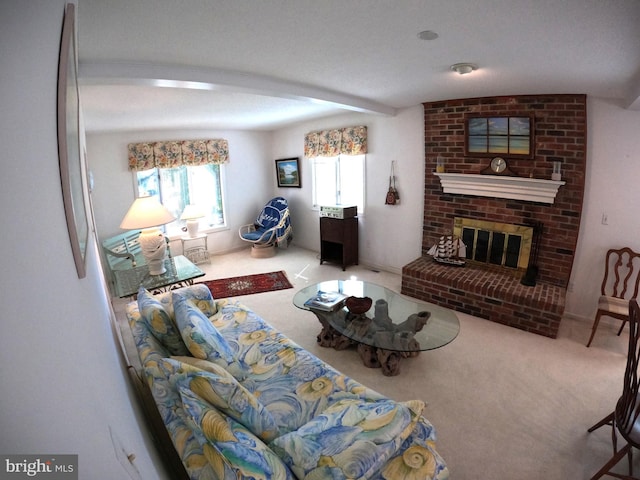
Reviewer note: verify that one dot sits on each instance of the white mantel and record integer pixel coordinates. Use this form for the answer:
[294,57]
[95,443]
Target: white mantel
[516,188]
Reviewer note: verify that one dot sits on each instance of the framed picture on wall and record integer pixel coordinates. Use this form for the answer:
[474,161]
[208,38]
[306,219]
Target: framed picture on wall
[288,172]
[72,174]
[488,136]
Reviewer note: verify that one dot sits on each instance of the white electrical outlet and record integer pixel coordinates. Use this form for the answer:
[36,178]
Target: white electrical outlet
[125,459]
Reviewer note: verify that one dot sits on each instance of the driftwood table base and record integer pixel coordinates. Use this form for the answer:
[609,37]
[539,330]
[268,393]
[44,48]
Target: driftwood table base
[372,357]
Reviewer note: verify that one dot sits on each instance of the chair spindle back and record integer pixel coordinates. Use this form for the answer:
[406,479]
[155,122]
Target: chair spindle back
[628,408]
[622,274]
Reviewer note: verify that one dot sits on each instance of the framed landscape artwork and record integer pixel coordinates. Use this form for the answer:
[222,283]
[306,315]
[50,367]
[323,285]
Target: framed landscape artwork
[505,136]
[288,172]
[71,168]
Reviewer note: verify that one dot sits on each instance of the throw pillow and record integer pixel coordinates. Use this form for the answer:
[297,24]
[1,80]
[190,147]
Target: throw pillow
[159,322]
[201,297]
[219,388]
[231,449]
[350,439]
[202,338]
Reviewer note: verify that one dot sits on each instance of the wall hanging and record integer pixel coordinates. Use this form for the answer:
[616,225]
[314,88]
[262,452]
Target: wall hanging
[393,197]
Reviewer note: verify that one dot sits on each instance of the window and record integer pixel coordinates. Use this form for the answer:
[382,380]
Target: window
[338,180]
[508,136]
[177,187]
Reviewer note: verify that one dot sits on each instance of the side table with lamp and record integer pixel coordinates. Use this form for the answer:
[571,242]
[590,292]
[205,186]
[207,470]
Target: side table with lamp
[199,252]
[160,271]
[147,213]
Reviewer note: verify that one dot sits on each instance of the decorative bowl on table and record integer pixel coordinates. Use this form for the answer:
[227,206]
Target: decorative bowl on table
[358,305]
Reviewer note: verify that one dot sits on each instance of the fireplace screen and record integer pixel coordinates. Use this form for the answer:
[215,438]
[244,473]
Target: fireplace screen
[494,243]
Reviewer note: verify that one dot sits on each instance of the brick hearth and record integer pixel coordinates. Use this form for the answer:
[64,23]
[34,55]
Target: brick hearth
[484,293]
[560,123]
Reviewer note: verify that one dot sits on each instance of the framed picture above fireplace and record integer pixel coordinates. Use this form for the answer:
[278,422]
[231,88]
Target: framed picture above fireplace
[488,136]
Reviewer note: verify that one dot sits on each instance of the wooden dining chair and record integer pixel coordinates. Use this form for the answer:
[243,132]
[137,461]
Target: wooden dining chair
[624,419]
[619,285]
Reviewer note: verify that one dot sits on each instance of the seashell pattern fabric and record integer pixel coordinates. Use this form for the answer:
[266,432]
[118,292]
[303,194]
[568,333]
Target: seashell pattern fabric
[350,439]
[302,394]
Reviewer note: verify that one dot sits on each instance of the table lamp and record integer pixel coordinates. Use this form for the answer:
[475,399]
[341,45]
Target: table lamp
[147,213]
[192,214]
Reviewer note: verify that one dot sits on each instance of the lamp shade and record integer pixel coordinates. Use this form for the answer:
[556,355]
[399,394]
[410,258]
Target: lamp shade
[146,212]
[191,212]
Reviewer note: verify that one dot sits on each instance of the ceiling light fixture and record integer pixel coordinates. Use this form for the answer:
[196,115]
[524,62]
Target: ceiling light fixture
[464,68]
[427,35]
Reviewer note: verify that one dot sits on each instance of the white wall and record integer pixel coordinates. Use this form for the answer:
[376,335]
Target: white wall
[613,170]
[249,183]
[390,236]
[62,380]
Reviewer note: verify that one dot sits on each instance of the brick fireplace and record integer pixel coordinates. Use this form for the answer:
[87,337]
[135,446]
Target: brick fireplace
[484,290]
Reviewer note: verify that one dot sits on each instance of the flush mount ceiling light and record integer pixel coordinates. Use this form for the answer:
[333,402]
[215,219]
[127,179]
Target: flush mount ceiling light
[464,68]
[427,35]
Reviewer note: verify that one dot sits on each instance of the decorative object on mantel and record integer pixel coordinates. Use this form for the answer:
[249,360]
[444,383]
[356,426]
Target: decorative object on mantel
[393,197]
[500,186]
[449,250]
[498,166]
[148,213]
[557,174]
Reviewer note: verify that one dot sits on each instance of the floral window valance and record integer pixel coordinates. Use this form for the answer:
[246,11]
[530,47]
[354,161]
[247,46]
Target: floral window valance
[330,143]
[170,154]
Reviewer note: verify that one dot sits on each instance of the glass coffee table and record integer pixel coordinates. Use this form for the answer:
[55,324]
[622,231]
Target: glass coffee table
[392,328]
[180,272]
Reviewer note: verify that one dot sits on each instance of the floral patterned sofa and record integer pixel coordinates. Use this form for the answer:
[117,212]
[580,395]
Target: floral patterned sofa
[241,401]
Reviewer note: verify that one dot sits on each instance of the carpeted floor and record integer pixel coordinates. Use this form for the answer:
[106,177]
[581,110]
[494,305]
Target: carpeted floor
[506,404]
[248,284]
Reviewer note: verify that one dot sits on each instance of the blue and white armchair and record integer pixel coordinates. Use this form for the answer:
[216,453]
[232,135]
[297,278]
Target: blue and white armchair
[271,228]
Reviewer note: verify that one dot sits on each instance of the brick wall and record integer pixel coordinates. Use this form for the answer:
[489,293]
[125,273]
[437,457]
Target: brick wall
[492,294]
[560,123]
[560,135]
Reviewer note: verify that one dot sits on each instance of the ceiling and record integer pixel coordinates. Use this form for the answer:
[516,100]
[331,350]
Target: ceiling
[261,65]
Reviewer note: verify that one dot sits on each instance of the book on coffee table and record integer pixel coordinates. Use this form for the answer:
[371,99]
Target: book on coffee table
[327,301]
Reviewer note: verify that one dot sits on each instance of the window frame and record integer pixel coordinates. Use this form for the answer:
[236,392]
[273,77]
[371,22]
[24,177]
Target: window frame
[178,229]
[315,205]
[488,151]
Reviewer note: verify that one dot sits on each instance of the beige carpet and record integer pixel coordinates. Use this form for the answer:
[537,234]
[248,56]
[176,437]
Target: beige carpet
[506,404]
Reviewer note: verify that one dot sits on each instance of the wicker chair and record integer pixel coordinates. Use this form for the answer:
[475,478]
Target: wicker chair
[271,228]
[625,418]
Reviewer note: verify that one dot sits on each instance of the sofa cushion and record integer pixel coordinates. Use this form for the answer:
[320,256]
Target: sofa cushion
[160,324]
[202,338]
[350,439]
[231,449]
[220,389]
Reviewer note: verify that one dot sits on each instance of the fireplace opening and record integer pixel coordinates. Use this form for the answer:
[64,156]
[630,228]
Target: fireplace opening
[493,243]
